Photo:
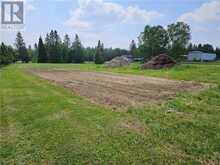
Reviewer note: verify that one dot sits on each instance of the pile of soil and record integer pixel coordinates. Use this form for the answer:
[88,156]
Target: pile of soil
[117,62]
[159,62]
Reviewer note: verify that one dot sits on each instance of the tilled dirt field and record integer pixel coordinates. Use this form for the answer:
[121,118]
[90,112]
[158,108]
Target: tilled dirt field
[115,90]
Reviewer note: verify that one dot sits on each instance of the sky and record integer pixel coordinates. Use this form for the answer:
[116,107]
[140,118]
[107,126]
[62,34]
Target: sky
[116,22]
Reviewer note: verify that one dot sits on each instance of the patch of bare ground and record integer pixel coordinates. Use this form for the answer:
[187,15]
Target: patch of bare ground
[9,132]
[134,125]
[116,90]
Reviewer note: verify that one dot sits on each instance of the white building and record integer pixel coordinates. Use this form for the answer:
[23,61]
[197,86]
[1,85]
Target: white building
[201,56]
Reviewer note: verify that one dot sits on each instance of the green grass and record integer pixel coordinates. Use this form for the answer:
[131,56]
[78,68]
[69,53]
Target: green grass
[45,124]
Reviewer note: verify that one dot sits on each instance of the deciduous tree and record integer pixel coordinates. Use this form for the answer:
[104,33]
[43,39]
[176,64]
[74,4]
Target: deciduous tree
[179,36]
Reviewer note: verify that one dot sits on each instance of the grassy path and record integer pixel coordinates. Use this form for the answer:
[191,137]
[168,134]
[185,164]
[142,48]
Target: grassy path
[45,124]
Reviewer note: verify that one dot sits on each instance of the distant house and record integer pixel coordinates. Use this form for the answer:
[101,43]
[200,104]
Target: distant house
[201,56]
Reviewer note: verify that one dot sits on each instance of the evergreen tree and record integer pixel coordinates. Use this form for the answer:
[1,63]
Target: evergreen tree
[58,58]
[133,47]
[30,52]
[7,54]
[217,51]
[53,47]
[99,55]
[21,48]
[42,54]
[66,49]
[207,48]
[199,47]
[34,58]
[77,51]
[89,53]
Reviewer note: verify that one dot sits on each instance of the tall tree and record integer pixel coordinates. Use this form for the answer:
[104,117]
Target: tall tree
[179,35]
[35,54]
[66,48]
[57,57]
[42,54]
[21,48]
[132,47]
[53,46]
[154,40]
[99,54]
[77,51]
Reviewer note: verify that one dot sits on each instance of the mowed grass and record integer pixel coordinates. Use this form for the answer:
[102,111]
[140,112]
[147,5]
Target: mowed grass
[46,124]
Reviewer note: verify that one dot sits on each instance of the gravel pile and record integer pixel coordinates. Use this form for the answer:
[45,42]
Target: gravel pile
[117,62]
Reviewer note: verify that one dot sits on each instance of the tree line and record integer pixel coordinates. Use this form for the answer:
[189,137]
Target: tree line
[154,40]
[174,41]
[53,49]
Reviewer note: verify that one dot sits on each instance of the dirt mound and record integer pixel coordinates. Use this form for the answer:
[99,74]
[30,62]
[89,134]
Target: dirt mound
[159,62]
[117,62]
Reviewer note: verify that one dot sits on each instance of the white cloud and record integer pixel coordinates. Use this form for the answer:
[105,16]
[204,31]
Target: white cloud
[209,11]
[95,13]
[77,23]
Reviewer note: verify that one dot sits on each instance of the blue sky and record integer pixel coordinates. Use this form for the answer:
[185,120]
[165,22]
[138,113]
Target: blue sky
[116,22]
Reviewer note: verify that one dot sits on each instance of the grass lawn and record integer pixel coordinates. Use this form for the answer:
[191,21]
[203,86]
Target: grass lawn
[45,124]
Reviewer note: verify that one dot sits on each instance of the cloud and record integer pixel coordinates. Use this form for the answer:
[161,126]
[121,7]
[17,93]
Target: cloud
[77,23]
[209,11]
[93,14]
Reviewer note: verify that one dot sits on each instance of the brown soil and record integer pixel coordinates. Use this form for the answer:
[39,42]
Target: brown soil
[115,90]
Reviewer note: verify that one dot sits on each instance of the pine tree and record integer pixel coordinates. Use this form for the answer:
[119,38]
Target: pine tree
[99,55]
[30,52]
[66,49]
[53,47]
[77,54]
[34,58]
[42,54]
[21,48]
